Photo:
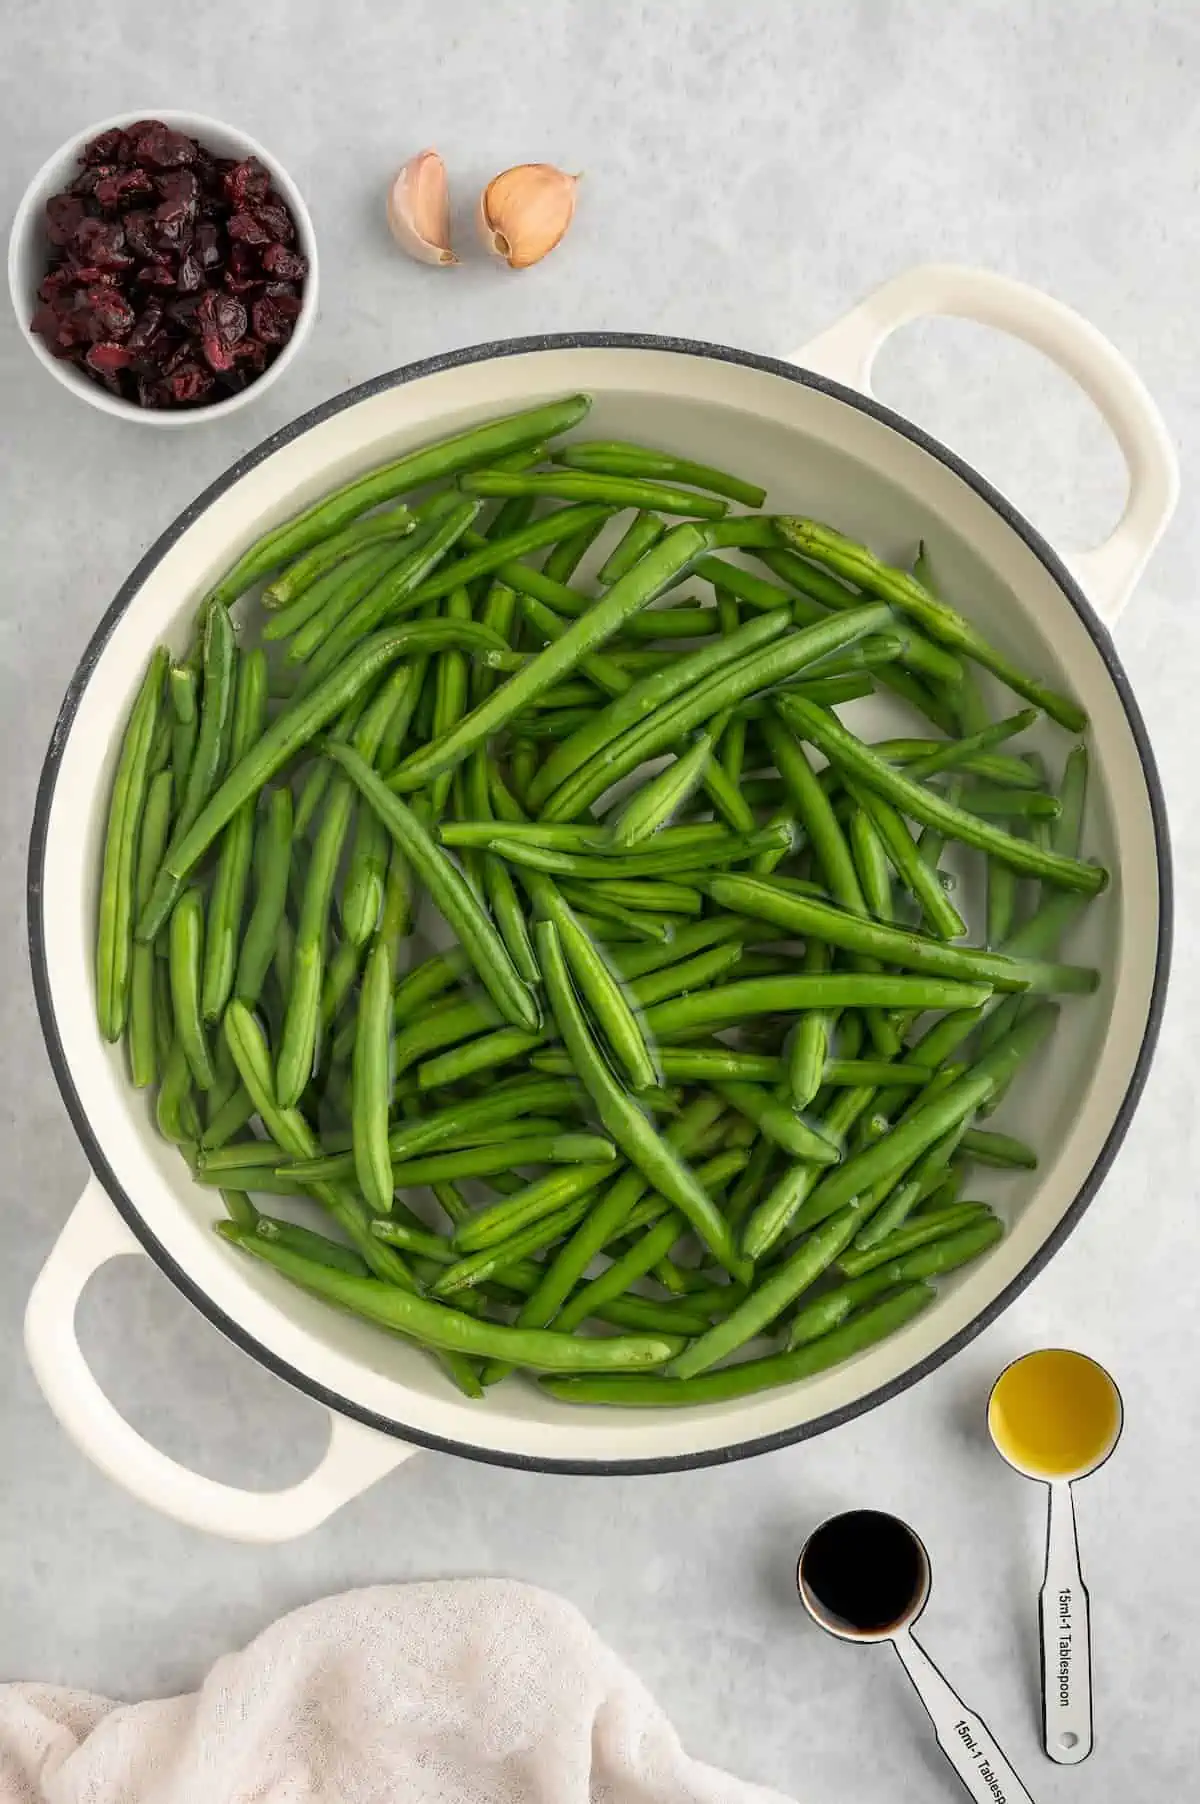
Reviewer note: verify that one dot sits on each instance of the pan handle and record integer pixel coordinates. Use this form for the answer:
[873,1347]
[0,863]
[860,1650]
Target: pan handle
[847,351]
[354,1458]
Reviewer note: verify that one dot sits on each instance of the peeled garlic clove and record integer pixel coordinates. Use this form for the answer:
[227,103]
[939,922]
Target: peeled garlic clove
[418,209]
[526,211]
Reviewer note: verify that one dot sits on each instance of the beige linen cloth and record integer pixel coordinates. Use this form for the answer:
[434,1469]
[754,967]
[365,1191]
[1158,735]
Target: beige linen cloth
[472,1692]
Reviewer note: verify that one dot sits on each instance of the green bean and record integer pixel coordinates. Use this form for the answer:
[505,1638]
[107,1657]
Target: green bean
[808,916]
[413,1138]
[226,902]
[330,601]
[226,1121]
[1040,934]
[728,1004]
[437,1326]
[931,662]
[298,1043]
[895,1209]
[998,803]
[474,1269]
[661,858]
[446,457]
[830,1310]
[756,671]
[658,801]
[808,1049]
[371,1082]
[309,1245]
[304,570]
[272,860]
[648,695]
[1067,830]
[754,591]
[239,1155]
[186,952]
[666,1225]
[395,593]
[999,1149]
[182,686]
[926,806]
[601,991]
[216,714]
[777,1121]
[506,1154]
[645,530]
[174,1111]
[923,884]
[564,558]
[870,861]
[621,1117]
[482,1054]
[152,839]
[597,666]
[114,934]
[697,936]
[994,767]
[445,1027]
[940,621]
[488,557]
[766,1303]
[914,1234]
[1001,902]
[928,1261]
[450,893]
[288,1128]
[585,635]
[897,1151]
[240,1209]
[616,458]
[428,980]
[544,1196]
[864,1329]
[287,735]
[685,1065]
[770,1217]
[586,485]
[602,1222]
[656,895]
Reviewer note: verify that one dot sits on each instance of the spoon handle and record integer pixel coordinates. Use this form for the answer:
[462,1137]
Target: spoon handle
[1066,1638]
[963,1737]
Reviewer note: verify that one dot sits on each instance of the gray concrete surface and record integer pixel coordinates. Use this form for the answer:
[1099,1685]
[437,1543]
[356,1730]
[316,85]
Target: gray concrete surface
[750,171]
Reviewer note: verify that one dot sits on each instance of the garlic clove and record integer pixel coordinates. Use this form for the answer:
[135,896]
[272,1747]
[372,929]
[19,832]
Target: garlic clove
[525,212]
[418,209]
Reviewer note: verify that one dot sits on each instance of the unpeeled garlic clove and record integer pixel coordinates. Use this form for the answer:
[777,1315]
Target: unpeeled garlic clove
[525,212]
[418,209]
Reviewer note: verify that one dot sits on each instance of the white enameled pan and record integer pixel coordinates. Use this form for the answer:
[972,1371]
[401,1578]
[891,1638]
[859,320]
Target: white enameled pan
[809,430]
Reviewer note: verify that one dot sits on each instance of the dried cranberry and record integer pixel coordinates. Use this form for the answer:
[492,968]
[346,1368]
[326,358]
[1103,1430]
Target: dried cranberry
[248,229]
[107,313]
[109,358]
[246,182]
[57,287]
[117,190]
[241,285]
[217,356]
[272,322]
[45,322]
[178,185]
[191,276]
[106,148]
[100,244]
[174,223]
[158,147]
[156,275]
[64,215]
[222,317]
[182,313]
[139,233]
[190,382]
[145,327]
[208,245]
[278,261]
[151,392]
[276,220]
[85,182]
[243,261]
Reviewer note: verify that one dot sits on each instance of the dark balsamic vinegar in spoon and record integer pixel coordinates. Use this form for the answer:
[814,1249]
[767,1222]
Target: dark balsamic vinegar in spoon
[864,1571]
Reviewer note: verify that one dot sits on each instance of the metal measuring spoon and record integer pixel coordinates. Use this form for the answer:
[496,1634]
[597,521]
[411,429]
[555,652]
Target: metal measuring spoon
[865,1576]
[1055,1416]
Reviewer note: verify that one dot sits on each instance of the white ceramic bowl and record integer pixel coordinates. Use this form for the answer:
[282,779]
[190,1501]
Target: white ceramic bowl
[29,253]
[818,445]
